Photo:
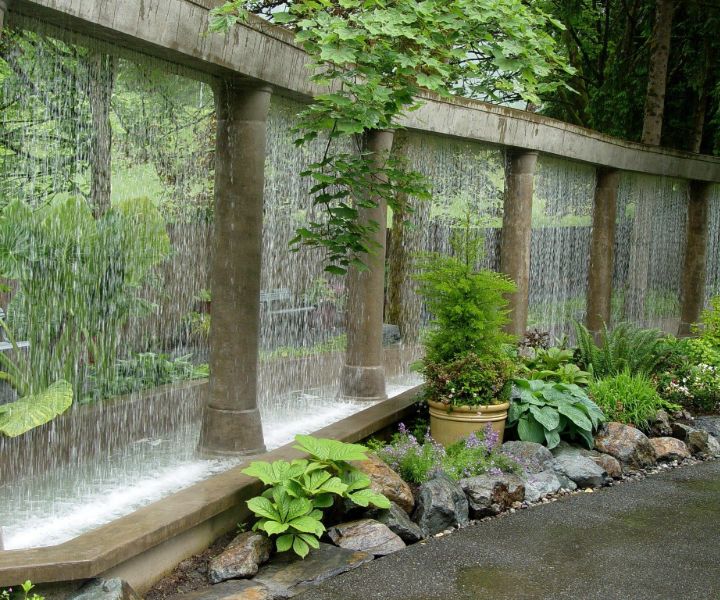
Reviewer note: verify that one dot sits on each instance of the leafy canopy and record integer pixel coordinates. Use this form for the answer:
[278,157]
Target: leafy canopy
[375,58]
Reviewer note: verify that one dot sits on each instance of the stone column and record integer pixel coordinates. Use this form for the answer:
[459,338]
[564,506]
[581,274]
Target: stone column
[363,375]
[231,421]
[694,271]
[602,250]
[516,232]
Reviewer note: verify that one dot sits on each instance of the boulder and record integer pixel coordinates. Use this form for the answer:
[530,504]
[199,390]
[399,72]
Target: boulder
[398,522]
[609,464]
[532,457]
[287,574]
[366,535]
[106,589]
[565,482]
[669,448]
[384,480]
[660,425]
[441,504]
[538,485]
[701,442]
[237,589]
[627,444]
[491,494]
[581,469]
[681,431]
[711,424]
[242,557]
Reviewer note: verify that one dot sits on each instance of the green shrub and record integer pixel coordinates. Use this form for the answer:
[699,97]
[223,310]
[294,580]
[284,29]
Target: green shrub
[469,308]
[628,398]
[626,347]
[469,380]
[291,507]
[695,387]
[546,411]
[553,364]
[23,593]
[417,462]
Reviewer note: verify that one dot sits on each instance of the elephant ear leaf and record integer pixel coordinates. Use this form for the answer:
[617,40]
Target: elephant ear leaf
[32,411]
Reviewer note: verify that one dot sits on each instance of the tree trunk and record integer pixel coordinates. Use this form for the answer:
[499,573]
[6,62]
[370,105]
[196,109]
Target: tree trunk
[101,82]
[657,73]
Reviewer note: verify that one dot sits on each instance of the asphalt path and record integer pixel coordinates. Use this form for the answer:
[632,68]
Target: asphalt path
[656,538]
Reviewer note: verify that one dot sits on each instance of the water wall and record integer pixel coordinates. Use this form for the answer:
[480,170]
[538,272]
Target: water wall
[467,182]
[649,250]
[560,245]
[712,281]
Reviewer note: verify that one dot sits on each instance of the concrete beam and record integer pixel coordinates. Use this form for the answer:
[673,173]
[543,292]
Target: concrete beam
[694,271]
[516,233]
[363,375]
[602,246]
[176,30]
[3,10]
[231,421]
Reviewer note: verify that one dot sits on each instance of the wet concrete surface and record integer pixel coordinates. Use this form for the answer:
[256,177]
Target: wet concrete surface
[652,539]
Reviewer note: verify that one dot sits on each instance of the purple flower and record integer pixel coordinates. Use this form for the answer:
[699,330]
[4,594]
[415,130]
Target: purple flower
[492,437]
[494,471]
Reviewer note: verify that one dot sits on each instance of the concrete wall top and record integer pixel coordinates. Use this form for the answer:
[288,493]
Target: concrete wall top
[176,30]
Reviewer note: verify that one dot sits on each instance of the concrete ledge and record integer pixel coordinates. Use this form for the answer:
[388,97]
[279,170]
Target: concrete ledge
[178,526]
[176,31]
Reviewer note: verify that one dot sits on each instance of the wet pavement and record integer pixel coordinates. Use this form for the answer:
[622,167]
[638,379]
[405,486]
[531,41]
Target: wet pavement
[652,539]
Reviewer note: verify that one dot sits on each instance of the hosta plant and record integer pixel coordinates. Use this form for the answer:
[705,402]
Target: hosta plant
[291,507]
[554,364]
[546,411]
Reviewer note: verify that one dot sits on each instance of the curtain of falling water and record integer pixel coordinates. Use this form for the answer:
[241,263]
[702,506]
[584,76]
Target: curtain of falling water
[649,243]
[559,256]
[466,179]
[302,318]
[712,282]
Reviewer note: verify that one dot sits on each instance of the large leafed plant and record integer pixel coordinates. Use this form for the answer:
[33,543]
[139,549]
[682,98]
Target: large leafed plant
[375,59]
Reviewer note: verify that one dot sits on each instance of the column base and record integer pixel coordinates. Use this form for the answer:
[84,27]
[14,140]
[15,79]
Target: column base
[230,433]
[363,383]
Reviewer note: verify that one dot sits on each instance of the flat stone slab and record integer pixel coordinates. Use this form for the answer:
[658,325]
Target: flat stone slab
[287,574]
[366,535]
[238,589]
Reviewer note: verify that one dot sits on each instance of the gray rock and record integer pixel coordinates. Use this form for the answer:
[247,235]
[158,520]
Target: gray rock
[566,482]
[398,522]
[669,448]
[287,574]
[242,557]
[366,535]
[538,485]
[609,464]
[660,426]
[391,334]
[441,504]
[491,494]
[387,482]
[532,457]
[701,442]
[237,589]
[580,469]
[106,589]
[711,424]
[629,445]
[681,431]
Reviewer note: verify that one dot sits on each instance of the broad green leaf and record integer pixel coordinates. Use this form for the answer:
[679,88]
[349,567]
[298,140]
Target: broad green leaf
[529,430]
[552,438]
[355,480]
[32,411]
[325,449]
[308,525]
[310,540]
[366,497]
[274,528]
[284,542]
[263,507]
[577,416]
[300,547]
[547,416]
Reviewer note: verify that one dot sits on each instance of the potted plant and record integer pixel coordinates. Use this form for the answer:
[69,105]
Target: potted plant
[467,366]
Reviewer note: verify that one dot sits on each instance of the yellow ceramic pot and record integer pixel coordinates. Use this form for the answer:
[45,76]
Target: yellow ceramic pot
[448,424]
